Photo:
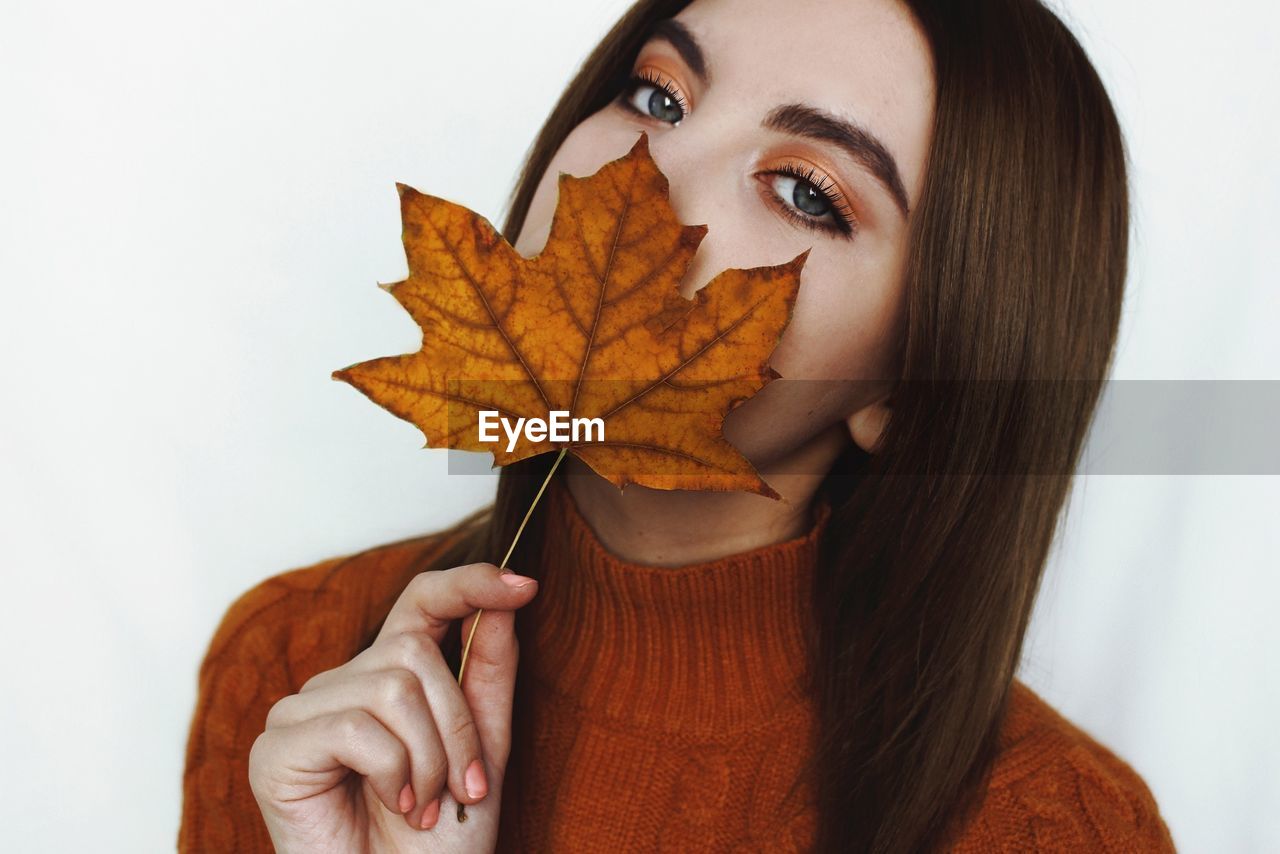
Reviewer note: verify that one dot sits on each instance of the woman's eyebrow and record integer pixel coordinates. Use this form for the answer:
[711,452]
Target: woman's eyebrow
[803,120]
[678,36]
[860,144]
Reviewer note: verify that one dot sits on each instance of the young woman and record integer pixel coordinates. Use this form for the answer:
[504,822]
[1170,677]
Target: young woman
[708,671]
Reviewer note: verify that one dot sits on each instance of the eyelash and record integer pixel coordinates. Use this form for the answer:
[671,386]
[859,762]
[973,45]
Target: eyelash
[845,224]
[652,78]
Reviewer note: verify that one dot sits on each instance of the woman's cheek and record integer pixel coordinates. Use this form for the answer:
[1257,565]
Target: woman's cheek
[846,320]
[816,342]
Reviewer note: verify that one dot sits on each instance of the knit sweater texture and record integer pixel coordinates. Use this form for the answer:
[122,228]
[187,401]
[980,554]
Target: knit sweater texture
[656,708]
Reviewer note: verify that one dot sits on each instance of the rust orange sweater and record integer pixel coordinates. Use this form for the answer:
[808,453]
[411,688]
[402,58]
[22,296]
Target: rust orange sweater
[656,708]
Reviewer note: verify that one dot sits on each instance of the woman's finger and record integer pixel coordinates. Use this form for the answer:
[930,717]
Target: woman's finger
[396,698]
[489,680]
[318,752]
[449,709]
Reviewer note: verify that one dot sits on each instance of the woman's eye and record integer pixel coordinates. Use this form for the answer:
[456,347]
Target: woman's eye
[807,203]
[646,94]
[802,194]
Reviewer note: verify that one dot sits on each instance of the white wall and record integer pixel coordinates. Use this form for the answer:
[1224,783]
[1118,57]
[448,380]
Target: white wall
[196,201]
[1155,630]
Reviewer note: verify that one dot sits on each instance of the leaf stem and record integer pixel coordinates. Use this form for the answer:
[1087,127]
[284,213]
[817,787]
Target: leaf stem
[507,556]
[462,808]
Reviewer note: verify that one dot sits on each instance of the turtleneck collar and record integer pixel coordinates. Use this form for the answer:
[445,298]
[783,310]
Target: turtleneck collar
[708,649]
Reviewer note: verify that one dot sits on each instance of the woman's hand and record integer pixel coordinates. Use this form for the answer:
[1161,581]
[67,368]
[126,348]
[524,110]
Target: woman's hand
[367,753]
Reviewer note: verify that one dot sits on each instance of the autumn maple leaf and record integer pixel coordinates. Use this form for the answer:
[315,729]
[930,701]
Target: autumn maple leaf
[594,326]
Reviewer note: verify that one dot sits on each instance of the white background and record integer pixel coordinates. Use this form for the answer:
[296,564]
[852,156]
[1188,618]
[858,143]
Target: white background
[197,200]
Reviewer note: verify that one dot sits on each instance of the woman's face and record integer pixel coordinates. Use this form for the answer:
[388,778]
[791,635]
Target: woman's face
[842,94]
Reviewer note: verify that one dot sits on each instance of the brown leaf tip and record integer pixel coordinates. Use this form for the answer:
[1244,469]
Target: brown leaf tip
[641,146]
[692,235]
[768,491]
[487,237]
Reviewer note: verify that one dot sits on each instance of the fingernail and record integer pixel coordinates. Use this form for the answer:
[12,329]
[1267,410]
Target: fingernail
[430,815]
[474,780]
[514,580]
[406,798]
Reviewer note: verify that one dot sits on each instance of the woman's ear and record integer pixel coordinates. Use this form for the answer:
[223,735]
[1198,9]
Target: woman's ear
[867,424]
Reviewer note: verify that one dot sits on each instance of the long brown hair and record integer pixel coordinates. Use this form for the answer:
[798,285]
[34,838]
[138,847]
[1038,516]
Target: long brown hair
[936,544]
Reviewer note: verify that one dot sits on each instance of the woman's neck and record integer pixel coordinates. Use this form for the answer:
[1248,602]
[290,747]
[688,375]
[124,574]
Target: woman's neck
[659,527]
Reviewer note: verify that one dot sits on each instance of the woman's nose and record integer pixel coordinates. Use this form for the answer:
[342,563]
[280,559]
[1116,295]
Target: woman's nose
[705,173]
[701,185]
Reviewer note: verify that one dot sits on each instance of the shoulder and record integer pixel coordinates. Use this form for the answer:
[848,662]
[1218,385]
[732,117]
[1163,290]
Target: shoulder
[1054,787]
[320,614]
